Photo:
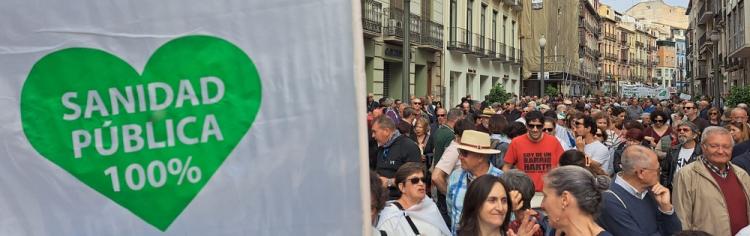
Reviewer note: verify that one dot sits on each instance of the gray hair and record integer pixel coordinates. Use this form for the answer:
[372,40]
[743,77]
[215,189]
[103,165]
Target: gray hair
[579,182]
[385,122]
[519,181]
[635,156]
[454,114]
[712,130]
[387,102]
[690,125]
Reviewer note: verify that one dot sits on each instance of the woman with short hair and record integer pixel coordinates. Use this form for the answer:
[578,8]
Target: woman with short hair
[573,199]
[413,213]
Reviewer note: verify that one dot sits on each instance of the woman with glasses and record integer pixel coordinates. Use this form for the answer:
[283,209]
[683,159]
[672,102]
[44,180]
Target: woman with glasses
[659,133]
[413,213]
[487,209]
[714,117]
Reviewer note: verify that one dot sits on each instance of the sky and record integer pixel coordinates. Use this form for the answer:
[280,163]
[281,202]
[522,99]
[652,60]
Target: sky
[622,5]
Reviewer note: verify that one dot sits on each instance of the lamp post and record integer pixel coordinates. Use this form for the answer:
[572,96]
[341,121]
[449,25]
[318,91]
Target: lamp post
[717,84]
[583,67]
[598,77]
[542,43]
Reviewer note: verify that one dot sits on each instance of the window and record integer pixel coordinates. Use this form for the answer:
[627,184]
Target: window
[469,16]
[482,22]
[453,19]
[512,33]
[494,26]
[505,22]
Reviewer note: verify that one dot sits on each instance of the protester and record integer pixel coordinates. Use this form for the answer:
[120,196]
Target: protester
[422,135]
[487,210]
[535,153]
[714,117]
[447,165]
[445,134]
[521,189]
[394,150]
[739,118]
[685,152]
[377,201]
[603,122]
[413,213]
[585,131]
[573,199]
[636,203]
[550,128]
[712,194]
[484,120]
[691,114]
[406,127]
[473,154]
[633,136]
[371,103]
[634,110]
[498,139]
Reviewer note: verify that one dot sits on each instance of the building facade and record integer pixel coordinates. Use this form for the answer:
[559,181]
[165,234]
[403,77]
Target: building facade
[382,23]
[665,67]
[738,46]
[609,46]
[482,47]
[588,44]
[707,47]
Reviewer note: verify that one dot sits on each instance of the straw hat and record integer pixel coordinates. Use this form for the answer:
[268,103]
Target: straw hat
[477,142]
[487,112]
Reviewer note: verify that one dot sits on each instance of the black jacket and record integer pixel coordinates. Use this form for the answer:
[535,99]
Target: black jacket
[391,157]
[669,163]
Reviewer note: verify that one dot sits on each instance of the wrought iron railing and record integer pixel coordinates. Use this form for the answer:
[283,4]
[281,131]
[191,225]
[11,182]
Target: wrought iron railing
[372,17]
[459,39]
[432,34]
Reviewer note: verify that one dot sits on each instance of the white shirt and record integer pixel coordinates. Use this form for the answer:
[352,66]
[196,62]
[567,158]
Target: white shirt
[683,158]
[425,215]
[449,161]
[599,153]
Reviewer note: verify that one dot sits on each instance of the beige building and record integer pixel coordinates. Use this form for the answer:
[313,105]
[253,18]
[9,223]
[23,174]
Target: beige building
[571,29]
[482,47]
[610,48]
[738,45]
[656,11]
[382,23]
[707,47]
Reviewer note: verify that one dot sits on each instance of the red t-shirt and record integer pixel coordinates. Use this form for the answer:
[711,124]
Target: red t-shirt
[535,159]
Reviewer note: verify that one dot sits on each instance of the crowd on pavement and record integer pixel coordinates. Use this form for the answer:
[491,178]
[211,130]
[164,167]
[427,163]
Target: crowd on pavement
[601,166]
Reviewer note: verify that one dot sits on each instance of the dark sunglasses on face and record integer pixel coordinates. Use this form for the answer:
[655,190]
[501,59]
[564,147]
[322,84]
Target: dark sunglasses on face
[548,130]
[683,130]
[713,113]
[658,121]
[440,115]
[416,180]
[417,103]
[539,126]
[687,108]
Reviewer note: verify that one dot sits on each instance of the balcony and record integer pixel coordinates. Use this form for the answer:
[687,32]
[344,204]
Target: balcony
[372,18]
[502,56]
[394,32]
[478,45]
[610,37]
[706,13]
[459,40]
[491,50]
[639,44]
[432,35]
[516,5]
[702,72]
[519,57]
[511,54]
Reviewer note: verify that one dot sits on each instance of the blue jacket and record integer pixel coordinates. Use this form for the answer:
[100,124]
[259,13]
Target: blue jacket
[624,214]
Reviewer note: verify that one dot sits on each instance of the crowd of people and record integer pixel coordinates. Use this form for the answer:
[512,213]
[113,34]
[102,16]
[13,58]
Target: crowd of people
[594,166]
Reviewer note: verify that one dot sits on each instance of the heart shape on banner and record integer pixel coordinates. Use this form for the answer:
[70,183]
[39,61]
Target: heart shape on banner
[149,142]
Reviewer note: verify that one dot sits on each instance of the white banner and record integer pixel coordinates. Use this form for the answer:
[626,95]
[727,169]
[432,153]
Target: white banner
[182,117]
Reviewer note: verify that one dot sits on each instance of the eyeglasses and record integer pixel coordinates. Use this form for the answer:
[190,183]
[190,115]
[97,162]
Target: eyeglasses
[713,113]
[539,126]
[440,115]
[658,121]
[684,130]
[548,130]
[416,180]
[688,108]
[417,103]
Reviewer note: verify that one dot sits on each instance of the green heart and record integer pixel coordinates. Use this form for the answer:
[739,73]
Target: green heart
[79,94]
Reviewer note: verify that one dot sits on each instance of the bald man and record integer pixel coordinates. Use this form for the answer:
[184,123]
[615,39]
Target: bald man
[636,203]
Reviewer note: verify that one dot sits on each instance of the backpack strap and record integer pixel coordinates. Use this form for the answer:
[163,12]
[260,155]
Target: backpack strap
[411,223]
[618,197]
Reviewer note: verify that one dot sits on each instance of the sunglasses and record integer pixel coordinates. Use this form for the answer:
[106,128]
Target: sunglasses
[548,130]
[688,108]
[658,121]
[440,115]
[416,180]
[539,126]
[417,103]
[713,113]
